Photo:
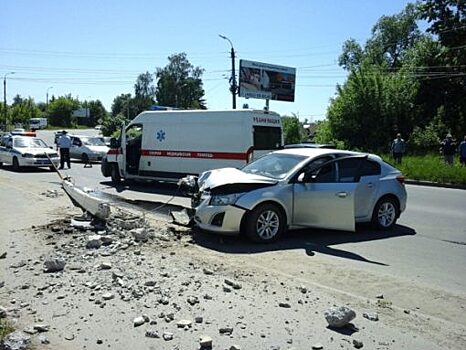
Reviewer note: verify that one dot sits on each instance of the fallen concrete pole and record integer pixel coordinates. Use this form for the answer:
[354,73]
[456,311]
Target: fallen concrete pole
[84,199]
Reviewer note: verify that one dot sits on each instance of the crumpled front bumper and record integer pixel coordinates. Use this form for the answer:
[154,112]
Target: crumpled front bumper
[220,219]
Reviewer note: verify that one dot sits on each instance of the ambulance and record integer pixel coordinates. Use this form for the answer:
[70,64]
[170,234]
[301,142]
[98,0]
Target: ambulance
[169,145]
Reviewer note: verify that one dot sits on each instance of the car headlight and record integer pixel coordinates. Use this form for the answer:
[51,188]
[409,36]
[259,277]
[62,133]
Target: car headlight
[225,199]
[28,155]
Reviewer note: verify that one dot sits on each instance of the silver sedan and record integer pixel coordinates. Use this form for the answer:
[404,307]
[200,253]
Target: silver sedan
[298,188]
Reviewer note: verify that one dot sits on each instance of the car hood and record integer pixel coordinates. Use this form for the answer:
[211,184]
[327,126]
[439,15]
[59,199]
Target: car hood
[35,150]
[226,176]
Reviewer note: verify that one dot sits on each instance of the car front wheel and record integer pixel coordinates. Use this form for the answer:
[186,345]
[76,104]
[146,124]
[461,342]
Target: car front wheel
[265,223]
[385,213]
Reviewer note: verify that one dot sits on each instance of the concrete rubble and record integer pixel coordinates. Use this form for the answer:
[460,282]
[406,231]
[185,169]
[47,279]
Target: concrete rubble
[129,281]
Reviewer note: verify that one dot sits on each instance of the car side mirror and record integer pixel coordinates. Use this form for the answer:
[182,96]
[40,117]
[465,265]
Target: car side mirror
[50,147]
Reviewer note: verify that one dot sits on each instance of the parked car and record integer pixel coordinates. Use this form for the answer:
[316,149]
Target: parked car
[87,148]
[298,188]
[24,151]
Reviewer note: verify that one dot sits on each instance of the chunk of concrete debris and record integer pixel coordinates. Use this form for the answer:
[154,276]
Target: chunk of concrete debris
[105,266]
[317,346]
[108,296]
[357,344]
[235,347]
[233,284]
[284,305]
[93,242]
[225,330]
[16,341]
[167,336]
[338,317]
[54,265]
[152,333]
[139,321]
[140,234]
[42,327]
[43,339]
[3,255]
[205,342]
[184,324]
[372,316]
[181,217]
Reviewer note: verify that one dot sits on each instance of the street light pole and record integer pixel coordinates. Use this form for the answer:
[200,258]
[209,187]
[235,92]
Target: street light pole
[4,98]
[47,99]
[233,87]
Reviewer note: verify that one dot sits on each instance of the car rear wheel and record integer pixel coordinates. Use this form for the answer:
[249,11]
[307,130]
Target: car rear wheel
[16,166]
[385,213]
[115,174]
[84,158]
[265,223]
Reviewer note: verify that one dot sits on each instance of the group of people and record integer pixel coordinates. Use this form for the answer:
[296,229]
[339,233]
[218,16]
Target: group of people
[448,148]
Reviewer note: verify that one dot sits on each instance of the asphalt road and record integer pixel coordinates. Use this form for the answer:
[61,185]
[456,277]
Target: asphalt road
[426,251]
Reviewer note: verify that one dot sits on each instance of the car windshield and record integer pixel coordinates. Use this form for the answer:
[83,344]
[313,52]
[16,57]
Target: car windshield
[274,165]
[93,141]
[29,142]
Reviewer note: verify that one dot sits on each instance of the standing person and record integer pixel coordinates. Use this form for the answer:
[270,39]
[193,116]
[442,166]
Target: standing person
[462,151]
[448,149]
[398,148]
[64,143]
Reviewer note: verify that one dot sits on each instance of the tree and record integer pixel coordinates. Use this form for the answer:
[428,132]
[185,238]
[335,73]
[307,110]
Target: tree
[60,110]
[179,84]
[447,19]
[113,123]
[352,55]
[96,112]
[292,129]
[124,104]
[22,110]
[144,92]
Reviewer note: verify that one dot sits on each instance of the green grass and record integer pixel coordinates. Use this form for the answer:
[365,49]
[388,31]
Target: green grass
[430,168]
[5,329]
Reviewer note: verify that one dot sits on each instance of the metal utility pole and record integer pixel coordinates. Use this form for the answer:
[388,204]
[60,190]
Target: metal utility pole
[233,86]
[4,98]
[47,99]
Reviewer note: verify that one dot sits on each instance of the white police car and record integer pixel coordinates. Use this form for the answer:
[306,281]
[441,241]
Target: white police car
[24,151]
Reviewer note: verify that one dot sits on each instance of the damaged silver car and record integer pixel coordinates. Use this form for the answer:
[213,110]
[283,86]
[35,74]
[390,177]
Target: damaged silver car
[298,188]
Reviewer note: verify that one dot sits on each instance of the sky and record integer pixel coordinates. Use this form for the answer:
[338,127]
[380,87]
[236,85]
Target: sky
[95,49]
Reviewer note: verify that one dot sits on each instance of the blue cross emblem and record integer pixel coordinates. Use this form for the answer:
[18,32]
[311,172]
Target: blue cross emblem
[160,135]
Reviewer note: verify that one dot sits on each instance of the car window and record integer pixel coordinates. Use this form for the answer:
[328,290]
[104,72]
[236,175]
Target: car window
[30,142]
[369,168]
[325,174]
[348,170]
[276,166]
[76,141]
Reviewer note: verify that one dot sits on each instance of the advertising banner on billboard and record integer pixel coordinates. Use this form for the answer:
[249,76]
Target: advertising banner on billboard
[266,81]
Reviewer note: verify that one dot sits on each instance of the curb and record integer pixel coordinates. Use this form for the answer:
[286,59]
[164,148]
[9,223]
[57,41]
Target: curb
[435,184]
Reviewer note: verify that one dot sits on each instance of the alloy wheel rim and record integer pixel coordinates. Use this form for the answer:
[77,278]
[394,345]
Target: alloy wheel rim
[386,214]
[268,224]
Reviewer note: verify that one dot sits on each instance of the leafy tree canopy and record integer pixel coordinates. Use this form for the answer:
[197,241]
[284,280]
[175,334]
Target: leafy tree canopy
[179,84]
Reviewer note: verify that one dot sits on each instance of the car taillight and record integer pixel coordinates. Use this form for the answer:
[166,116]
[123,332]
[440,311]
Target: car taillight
[401,179]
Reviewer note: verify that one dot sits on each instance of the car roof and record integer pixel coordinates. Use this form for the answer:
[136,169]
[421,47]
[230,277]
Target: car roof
[314,152]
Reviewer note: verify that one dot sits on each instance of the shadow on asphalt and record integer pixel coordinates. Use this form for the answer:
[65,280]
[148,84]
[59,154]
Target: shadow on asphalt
[310,240]
[26,169]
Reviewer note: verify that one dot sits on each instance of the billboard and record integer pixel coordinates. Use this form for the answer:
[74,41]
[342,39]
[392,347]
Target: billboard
[266,81]
[81,113]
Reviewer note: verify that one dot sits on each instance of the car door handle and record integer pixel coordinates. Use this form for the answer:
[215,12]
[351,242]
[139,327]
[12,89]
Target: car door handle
[370,185]
[342,194]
